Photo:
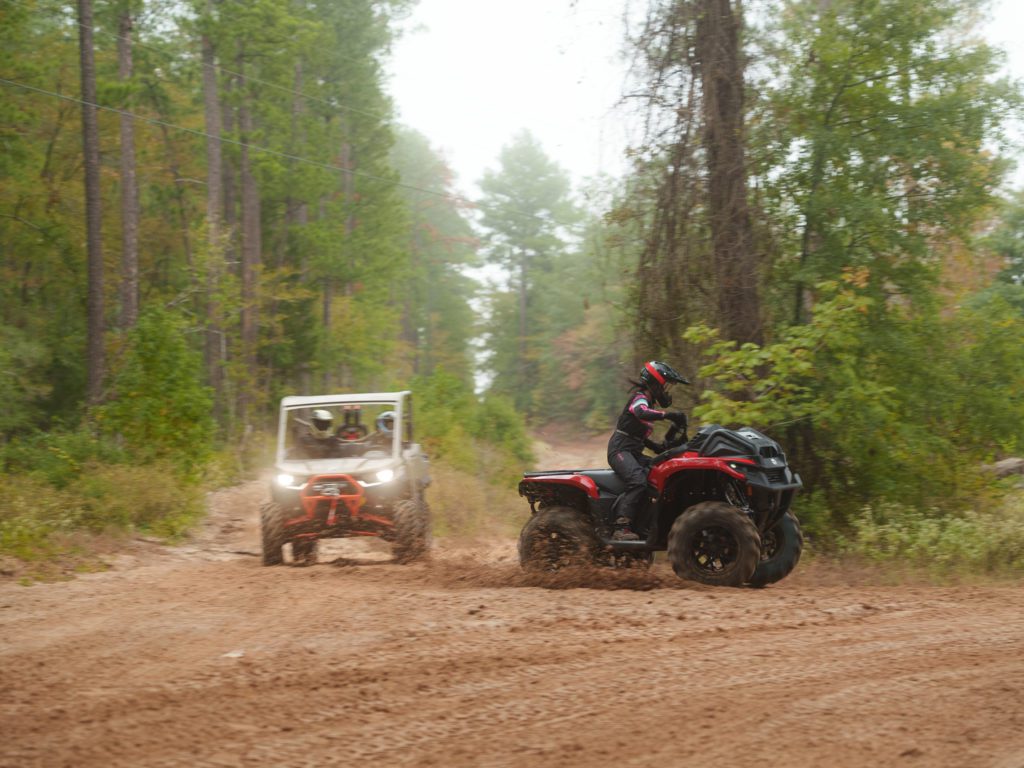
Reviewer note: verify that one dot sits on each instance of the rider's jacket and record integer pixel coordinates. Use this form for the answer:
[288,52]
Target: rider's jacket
[635,419]
[633,428]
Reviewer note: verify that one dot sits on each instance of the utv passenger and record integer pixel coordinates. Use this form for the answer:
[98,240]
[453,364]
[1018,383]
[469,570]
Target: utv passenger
[384,435]
[632,434]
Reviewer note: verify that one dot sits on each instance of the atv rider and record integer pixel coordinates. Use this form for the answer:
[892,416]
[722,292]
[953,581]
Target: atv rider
[632,434]
[319,441]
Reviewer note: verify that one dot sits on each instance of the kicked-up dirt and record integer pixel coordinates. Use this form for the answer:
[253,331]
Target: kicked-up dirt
[198,656]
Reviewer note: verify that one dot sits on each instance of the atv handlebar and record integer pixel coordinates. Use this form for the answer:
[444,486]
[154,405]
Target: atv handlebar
[675,443]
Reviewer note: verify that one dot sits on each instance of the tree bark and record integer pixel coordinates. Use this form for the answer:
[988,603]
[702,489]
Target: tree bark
[129,185]
[251,245]
[93,210]
[214,216]
[735,260]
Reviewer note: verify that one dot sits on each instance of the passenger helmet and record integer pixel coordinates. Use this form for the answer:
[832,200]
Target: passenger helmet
[386,422]
[320,423]
[658,377]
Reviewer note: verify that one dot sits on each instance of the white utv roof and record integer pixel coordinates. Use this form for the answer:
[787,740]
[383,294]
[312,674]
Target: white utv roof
[300,401]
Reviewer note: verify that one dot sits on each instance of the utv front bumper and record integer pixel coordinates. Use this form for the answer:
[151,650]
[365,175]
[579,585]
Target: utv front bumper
[337,505]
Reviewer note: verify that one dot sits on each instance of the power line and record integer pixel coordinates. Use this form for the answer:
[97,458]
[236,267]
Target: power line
[256,147]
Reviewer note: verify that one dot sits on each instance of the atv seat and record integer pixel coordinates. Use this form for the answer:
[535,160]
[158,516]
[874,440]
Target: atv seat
[606,480]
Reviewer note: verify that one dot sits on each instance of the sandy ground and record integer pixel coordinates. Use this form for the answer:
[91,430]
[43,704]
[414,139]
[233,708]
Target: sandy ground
[198,656]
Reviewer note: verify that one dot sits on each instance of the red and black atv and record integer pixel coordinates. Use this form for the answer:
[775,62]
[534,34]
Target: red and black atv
[719,504]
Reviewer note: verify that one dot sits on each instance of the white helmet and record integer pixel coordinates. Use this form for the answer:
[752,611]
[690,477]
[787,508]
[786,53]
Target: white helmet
[386,422]
[320,423]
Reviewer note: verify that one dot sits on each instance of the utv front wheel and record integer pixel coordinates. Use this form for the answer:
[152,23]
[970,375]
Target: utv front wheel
[780,551]
[272,533]
[304,551]
[412,531]
[714,543]
[556,538]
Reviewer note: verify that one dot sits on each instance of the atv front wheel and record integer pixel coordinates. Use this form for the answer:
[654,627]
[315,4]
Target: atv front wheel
[780,551]
[412,531]
[556,538]
[272,532]
[714,543]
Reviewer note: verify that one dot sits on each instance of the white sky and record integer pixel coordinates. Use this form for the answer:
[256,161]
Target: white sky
[470,74]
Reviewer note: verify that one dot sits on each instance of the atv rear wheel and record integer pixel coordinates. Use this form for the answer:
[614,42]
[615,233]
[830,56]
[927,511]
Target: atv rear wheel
[272,532]
[556,538]
[412,531]
[780,551]
[714,543]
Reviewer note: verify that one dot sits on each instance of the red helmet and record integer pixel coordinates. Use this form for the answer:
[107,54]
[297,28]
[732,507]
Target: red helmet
[658,377]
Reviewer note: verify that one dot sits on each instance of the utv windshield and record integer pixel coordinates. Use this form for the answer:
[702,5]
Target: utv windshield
[341,430]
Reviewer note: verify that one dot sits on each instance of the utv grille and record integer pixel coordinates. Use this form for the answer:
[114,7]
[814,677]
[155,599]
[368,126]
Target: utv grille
[775,475]
[333,487]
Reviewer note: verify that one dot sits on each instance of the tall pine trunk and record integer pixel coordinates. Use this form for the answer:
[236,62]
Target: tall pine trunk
[251,245]
[735,260]
[93,210]
[129,184]
[213,349]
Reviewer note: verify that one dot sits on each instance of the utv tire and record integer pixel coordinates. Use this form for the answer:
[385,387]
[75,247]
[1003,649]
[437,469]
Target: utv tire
[272,533]
[556,538]
[714,543]
[304,551]
[412,531]
[780,551]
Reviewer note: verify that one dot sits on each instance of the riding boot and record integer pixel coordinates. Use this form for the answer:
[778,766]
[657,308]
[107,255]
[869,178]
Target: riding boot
[622,530]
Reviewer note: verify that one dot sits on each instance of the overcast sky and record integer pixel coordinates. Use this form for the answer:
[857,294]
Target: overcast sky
[469,74]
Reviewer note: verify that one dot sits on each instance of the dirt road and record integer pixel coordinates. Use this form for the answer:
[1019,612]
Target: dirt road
[198,656]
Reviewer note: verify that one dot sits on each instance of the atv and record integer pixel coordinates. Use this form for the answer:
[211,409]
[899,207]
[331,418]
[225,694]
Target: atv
[720,505]
[346,480]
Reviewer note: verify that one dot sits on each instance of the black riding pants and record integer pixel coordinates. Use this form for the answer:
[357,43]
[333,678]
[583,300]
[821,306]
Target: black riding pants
[625,456]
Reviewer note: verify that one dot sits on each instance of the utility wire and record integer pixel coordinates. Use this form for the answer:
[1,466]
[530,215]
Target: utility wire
[224,70]
[256,147]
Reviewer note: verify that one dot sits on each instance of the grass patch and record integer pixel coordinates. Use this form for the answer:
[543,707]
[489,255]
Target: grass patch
[971,543]
[49,529]
[466,505]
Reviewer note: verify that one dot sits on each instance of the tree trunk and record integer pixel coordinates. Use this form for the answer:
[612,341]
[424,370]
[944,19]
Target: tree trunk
[129,185]
[93,211]
[523,385]
[214,215]
[735,261]
[251,245]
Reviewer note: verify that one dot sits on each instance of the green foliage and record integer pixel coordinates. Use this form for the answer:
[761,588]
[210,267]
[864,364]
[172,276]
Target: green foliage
[39,518]
[1007,241]
[22,384]
[941,543]
[438,322]
[158,405]
[487,438]
[875,127]
[527,216]
[874,410]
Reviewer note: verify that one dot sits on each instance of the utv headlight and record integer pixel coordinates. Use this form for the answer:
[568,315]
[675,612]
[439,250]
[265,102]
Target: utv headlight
[379,478]
[284,480]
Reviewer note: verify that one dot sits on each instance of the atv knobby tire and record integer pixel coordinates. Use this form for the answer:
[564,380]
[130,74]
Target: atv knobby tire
[412,531]
[556,538]
[780,551]
[272,533]
[714,543]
